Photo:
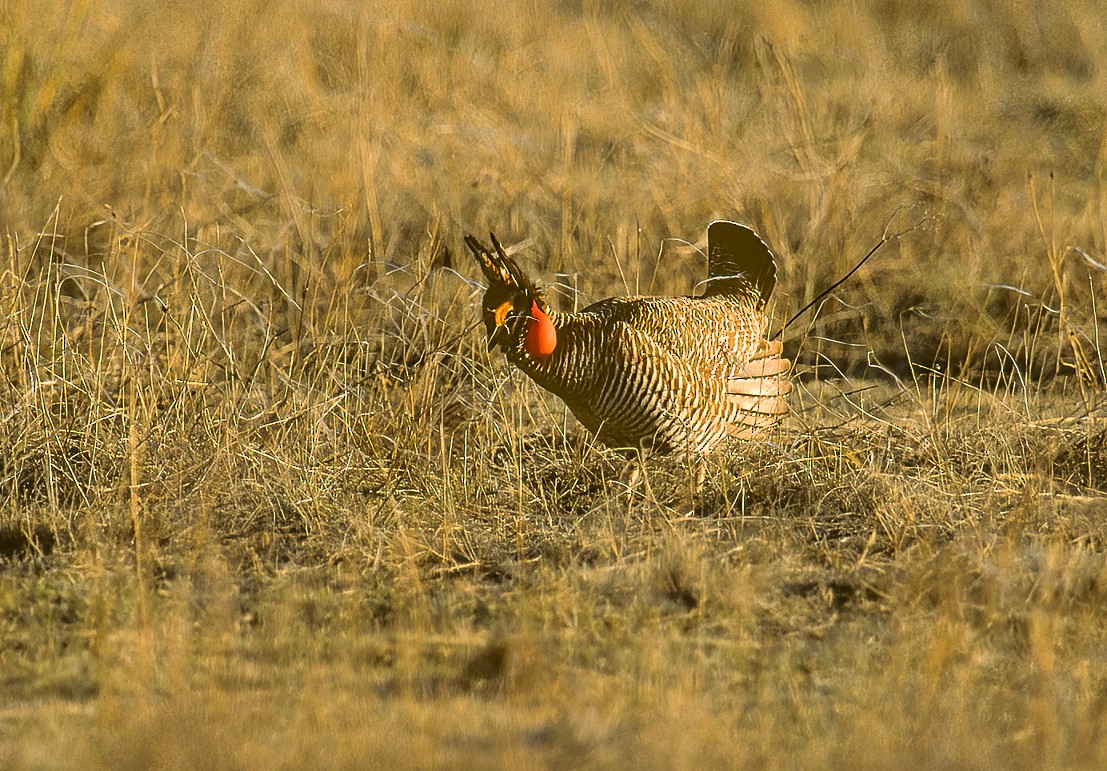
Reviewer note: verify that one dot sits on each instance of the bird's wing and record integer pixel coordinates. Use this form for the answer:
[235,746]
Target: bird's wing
[654,373]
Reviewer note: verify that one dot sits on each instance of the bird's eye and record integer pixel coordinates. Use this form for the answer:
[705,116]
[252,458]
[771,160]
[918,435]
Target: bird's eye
[500,314]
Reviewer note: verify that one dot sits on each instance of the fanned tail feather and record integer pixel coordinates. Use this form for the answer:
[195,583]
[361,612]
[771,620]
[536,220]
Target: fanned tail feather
[756,392]
[738,262]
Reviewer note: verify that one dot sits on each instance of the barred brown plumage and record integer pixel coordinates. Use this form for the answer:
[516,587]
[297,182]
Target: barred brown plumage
[668,373]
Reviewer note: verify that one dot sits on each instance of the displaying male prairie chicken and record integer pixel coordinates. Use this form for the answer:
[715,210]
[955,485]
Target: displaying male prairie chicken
[667,373]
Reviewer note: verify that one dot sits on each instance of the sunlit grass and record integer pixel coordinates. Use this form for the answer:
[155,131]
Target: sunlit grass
[266,500]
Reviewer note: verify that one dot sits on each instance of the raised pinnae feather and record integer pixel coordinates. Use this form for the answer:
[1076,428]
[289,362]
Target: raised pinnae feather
[498,268]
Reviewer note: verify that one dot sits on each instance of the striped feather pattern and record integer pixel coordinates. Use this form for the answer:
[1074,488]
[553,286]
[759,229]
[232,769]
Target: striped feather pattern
[669,373]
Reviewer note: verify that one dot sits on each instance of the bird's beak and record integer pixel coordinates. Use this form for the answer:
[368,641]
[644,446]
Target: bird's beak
[495,335]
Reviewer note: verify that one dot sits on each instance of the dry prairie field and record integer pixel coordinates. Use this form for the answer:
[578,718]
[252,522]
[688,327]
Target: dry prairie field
[267,501]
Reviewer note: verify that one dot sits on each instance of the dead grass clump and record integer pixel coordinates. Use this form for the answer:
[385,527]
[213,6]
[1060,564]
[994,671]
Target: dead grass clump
[1079,459]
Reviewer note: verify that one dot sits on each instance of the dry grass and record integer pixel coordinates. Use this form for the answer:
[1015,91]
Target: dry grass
[266,501]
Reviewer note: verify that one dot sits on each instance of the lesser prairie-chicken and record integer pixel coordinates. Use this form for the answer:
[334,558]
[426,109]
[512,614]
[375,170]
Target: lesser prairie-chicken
[665,373]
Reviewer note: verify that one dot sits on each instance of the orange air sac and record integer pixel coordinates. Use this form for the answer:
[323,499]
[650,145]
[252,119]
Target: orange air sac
[541,335]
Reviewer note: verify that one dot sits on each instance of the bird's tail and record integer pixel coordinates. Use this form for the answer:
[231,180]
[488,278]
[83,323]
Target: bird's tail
[757,392]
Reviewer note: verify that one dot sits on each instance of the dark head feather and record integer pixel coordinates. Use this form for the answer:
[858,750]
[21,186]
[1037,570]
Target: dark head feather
[500,269]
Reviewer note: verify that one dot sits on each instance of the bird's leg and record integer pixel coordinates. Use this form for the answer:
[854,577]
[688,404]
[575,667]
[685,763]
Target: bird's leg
[695,467]
[634,472]
[698,473]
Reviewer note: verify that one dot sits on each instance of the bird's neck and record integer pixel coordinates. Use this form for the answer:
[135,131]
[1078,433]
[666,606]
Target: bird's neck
[559,370]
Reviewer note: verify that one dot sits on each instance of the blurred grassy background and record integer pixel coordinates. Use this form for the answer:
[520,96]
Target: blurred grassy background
[335,138]
[265,500]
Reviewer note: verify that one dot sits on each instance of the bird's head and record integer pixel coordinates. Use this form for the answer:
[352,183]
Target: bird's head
[516,315]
